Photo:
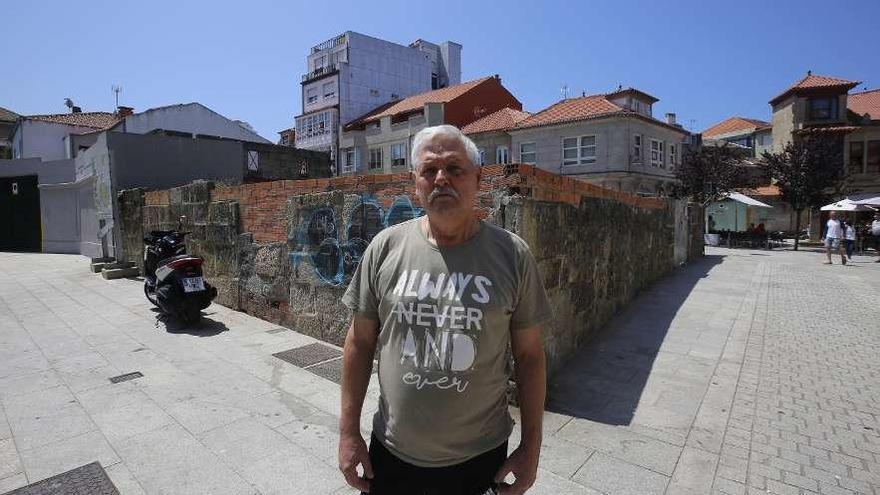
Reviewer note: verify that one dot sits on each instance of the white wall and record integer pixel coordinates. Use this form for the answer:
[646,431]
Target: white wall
[384,67]
[38,139]
[194,118]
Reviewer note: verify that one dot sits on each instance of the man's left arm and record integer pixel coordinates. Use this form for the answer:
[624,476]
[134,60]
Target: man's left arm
[531,381]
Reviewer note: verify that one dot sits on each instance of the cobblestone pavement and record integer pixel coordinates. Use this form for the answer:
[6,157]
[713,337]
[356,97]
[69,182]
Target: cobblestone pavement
[750,372]
[747,372]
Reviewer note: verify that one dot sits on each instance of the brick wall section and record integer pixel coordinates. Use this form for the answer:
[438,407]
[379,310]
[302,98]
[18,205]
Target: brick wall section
[262,204]
[283,250]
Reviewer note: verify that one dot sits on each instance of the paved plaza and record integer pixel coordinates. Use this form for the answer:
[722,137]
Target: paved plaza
[746,372]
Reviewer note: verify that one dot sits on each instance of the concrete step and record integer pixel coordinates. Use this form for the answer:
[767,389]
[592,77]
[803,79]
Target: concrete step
[114,273]
[97,267]
[108,259]
[120,264]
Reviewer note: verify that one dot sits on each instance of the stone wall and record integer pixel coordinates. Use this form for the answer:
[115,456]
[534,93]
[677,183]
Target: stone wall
[285,251]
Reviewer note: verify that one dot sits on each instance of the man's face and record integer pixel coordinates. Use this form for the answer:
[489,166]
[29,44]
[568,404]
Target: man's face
[833,215]
[446,180]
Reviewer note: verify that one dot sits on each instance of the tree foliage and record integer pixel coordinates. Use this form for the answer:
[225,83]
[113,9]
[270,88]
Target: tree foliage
[710,173]
[808,172]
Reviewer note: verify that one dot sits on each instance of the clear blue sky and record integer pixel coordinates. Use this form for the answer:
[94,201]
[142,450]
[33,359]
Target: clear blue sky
[704,60]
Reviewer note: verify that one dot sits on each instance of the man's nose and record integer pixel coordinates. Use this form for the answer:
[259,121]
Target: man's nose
[441,177]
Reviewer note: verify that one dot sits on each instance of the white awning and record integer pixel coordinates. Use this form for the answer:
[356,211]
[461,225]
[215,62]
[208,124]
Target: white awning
[847,205]
[742,198]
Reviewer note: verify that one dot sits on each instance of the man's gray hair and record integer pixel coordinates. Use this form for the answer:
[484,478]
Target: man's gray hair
[425,135]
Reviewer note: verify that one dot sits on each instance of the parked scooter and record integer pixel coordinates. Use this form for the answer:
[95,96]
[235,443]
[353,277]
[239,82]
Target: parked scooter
[173,279]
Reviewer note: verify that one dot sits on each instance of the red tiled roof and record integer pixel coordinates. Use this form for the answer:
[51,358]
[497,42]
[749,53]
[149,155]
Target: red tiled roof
[7,115]
[417,102]
[573,109]
[866,102]
[95,120]
[632,91]
[734,124]
[497,121]
[812,82]
[771,190]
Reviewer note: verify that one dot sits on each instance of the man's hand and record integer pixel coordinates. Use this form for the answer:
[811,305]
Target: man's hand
[524,466]
[353,452]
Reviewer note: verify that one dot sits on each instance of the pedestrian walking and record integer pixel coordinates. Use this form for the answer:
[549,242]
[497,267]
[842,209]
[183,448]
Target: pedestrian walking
[833,238]
[875,235]
[438,299]
[849,237]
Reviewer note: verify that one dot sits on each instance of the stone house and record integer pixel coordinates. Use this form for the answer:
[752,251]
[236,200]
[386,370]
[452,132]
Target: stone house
[381,140]
[611,140]
[823,105]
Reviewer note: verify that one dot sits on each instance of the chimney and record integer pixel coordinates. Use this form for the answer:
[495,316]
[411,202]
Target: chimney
[75,109]
[123,112]
[670,118]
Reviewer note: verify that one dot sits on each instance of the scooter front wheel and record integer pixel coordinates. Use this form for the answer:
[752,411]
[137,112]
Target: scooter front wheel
[150,292]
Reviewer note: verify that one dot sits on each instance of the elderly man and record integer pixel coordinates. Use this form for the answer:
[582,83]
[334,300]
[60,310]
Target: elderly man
[438,299]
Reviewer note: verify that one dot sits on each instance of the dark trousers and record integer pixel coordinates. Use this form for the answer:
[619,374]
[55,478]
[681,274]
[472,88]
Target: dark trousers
[393,476]
[850,245]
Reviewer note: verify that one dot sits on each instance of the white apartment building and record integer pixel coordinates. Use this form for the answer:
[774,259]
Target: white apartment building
[353,74]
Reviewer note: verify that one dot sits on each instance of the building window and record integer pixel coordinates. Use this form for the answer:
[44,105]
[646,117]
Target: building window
[856,157]
[253,160]
[329,90]
[375,158]
[502,155]
[311,95]
[579,150]
[672,157]
[637,148]
[873,161]
[482,156]
[398,155]
[657,158]
[320,61]
[350,164]
[822,108]
[527,153]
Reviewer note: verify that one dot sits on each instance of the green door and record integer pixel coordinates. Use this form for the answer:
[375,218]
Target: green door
[20,214]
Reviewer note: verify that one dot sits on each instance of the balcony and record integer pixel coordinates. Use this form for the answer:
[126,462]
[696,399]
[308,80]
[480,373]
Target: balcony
[319,73]
[327,45]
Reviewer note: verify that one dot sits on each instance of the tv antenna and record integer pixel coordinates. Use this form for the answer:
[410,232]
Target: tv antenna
[564,91]
[116,89]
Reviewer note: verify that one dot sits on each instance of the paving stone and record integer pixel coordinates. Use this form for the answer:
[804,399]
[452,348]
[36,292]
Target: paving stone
[623,444]
[58,457]
[613,476]
[694,473]
[244,441]
[12,482]
[170,460]
[10,463]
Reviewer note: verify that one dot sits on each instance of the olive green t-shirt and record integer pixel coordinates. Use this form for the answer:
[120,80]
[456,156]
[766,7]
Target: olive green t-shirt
[445,317]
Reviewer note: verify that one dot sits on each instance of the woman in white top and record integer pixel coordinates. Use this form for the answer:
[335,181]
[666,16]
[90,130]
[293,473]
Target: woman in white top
[849,233]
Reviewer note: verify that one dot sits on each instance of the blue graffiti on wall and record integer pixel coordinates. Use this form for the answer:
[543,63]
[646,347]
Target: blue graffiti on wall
[316,236]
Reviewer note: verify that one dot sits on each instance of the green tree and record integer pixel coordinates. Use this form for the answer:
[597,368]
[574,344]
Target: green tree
[808,172]
[710,173]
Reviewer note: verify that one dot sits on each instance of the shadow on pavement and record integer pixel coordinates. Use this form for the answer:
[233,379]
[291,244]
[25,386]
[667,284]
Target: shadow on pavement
[604,380]
[205,327]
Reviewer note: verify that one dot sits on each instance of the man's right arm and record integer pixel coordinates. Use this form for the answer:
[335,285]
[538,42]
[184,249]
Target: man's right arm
[357,365]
